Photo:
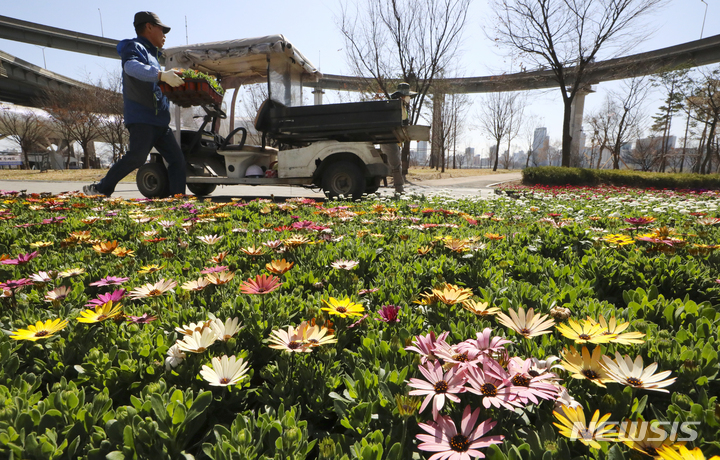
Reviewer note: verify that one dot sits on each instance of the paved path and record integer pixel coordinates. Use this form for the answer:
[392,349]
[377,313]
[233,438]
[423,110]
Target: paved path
[475,186]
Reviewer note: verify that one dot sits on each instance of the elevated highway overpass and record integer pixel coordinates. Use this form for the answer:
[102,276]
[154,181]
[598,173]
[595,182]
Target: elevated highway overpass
[695,53]
[21,82]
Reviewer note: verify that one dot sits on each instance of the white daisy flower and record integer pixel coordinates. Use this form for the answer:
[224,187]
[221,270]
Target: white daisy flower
[225,371]
[175,356]
[624,370]
[226,330]
[198,342]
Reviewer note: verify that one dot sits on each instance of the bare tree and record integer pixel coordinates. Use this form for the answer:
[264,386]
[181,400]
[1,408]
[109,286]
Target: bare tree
[111,127]
[388,41]
[27,129]
[77,115]
[705,102]
[645,155]
[252,98]
[567,35]
[506,160]
[619,119]
[453,110]
[497,114]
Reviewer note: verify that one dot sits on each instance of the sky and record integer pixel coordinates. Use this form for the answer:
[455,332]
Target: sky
[311,26]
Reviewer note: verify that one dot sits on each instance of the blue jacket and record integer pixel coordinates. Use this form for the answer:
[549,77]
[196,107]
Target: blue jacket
[143,100]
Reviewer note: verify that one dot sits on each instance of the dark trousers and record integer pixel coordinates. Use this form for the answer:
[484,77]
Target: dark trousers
[143,138]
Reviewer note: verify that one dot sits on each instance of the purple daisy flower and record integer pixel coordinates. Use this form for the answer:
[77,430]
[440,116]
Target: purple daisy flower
[144,319]
[389,314]
[109,280]
[102,299]
[21,259]
[219,268]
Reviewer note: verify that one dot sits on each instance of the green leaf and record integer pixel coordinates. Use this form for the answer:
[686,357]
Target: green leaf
[201,403]
[615,453]
[494,453]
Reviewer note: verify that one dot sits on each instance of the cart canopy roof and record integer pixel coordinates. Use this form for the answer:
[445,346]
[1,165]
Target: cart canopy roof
[241,62]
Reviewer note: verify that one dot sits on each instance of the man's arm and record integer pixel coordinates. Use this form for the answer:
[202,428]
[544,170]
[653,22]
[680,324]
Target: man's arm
[144,72]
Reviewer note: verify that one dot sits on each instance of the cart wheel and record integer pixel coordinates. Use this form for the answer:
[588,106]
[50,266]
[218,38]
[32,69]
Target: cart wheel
[199,189]
[343,178]
[152,180]
[373,184]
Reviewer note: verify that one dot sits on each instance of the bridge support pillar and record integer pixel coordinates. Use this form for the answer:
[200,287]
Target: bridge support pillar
[576,122]
[318,92]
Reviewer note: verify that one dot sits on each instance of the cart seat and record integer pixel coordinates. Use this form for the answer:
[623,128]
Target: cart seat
[249,148]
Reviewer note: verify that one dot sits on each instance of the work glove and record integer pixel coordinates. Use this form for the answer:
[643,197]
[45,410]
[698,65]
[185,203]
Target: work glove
[171,78]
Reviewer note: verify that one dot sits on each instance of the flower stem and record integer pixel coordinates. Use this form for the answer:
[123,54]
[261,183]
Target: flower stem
[402,439]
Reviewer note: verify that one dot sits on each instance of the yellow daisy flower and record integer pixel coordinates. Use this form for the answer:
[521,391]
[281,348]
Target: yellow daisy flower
[585,366]
[106,247]
[343,308]
[253,250]
[40,330]
[619,240]
[278,267]
[587,332]
[479,308]
[682,453]
[151,268]
[451,294]
[642,439]
[612,327]
[41,244]
[572,425]
[424,250]
[123,252]
[101,313]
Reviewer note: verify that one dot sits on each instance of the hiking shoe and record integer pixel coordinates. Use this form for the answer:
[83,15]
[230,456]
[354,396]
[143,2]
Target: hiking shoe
[91,190]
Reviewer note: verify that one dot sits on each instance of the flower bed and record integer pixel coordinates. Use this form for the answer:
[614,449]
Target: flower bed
[174,328]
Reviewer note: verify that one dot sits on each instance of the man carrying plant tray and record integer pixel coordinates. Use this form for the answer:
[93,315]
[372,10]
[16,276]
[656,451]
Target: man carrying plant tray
[146,109]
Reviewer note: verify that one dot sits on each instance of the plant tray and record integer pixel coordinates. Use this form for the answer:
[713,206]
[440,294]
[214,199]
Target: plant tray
[195,91]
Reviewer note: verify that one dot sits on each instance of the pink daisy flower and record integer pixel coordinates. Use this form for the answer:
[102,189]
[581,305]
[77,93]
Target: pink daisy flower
[439,386]
[425,345]
[495,392]
[463,358]
[444,439]
[528,387]
[485,343]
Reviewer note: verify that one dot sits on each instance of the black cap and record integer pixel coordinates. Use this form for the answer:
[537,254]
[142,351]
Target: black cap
[146,16]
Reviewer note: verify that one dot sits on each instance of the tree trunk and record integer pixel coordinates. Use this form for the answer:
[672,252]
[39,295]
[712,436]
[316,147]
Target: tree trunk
[701,146]
[705,168]
[687,129]
[497,154]
[26,158]
[567,135]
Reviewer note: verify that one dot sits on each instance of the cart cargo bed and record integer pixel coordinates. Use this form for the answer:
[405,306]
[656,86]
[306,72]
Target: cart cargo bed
[379,122]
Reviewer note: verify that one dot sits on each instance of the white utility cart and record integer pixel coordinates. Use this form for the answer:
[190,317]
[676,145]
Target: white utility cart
[330,146]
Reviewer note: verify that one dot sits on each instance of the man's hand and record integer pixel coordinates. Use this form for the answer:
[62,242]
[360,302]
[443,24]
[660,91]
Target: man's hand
[171,78]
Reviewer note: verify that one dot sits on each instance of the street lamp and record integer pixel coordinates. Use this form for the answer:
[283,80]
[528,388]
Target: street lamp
[705,15]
